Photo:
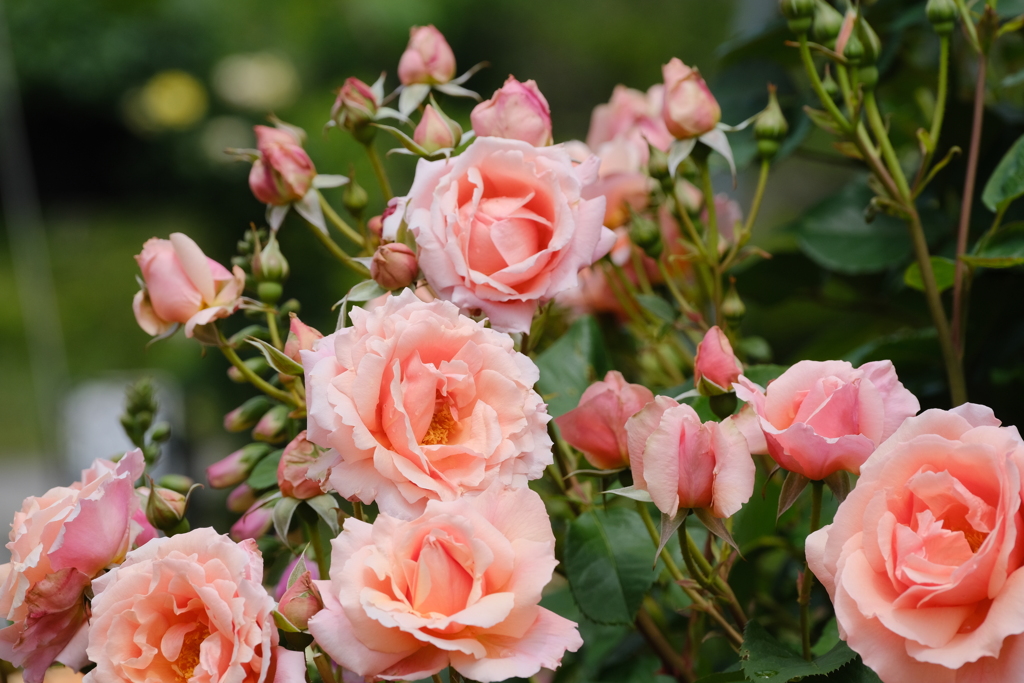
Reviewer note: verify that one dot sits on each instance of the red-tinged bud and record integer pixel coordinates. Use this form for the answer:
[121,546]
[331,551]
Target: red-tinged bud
[376,226]
[435,131]
[246,415]
[254,523]
[284,172]
[298,455]
[300,602]
[517,111]
[689,110]
[235,468]
[272,427]
[165,510]
[301,337]
[427,59]
[241,498]
[356,105]
[715,366]
[394,266]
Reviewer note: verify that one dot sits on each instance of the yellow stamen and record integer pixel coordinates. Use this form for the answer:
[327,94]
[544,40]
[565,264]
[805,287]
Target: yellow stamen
[188,658]
[440,426]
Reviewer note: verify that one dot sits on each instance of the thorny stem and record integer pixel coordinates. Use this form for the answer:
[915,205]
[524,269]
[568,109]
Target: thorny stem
[337,251]
[378,170]
[808,578]
[252,377]
[964,228]
[343,227]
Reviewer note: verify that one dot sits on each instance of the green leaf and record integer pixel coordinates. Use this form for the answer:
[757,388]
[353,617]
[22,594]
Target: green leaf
[608,564]
[1006,182]
[276,358]
[835,235]
[767,661]
[944,269]
[571,364]
[284,509]
[854,672]
[658,306]
[264,475]
[1005,249]
[724,677]
[327,507]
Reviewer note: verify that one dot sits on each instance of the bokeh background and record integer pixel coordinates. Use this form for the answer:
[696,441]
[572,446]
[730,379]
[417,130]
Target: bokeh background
[124,107]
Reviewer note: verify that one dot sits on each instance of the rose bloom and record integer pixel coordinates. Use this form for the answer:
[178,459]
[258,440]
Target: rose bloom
[284,172]
[427,59]
[689,109]
[923,559]
[183,286]
[503,227]
[59,542]
[684,463]
[517,111]
[597,426]
[419,402]
[190,607]
[459,585]
[821,417]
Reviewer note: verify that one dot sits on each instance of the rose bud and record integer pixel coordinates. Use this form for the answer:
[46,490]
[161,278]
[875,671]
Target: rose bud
[257,364]
[246,415]
[300,602]
[272,426]
[689,110]
[298,455]
[165,510]
[427,59]
[284,172]
[715,366]
[176,482]
[394,266]
[301,337]
[435,131]
[518,111]
[255,523]
[235,468]
[241,498]
[683,463]
[376,226]
[598,425]
[356,105]
[282,585]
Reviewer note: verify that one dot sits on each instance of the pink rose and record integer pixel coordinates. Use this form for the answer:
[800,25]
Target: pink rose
[427,59]
[183,286]
[517,111]
[715,367]
[488,558]
[923,560]
[683,463]
[298,455]
[690,110]
[190,607]
[59,542]
[301,601]
[284,172]
[597,426]
[300,338]
[394,266]
[821,417]
[420,403]
[503,227]
[356,105]
[628,113]
[434,132]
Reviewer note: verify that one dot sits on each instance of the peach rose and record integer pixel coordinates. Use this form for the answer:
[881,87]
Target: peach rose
[190,607]
[923,560]
[517,111]
[630,113]
[683,463]
[821,417]
[427,59]
[419,402]
[689,109]
[59,542]
[481,562]
[284,172]
[597,426]
[183,286]
[504,227]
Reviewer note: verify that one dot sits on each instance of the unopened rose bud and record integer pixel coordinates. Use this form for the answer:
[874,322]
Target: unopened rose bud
[355,108]
[689,109]
[848,44]
[165,510]
[517,111]
[161,432]
[715,367]
[300,602]
[657,165]
[830,85]
[427,59]
[301,337]
[272,427]
[434,131]
[394,266]
[257,364]
[870,40]
[270,265]
[354,197]
[235,468]
[376,226]
[176,482]
[827,23]
[246,415]
[241,498]
[298,455]
[942,14]
[733,308]
[646,234]
[799,13]
[770,126]
[284,172]
[255,523]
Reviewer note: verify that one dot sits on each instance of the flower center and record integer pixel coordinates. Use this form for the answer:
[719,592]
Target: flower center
[974,537]
[440,427]
[188,658]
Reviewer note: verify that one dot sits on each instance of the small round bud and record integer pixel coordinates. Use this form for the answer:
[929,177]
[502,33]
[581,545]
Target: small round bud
[770,126]
[269,292]
[354,197]
[161,432]
[290,306]
[868,77]
[247,414]
[830,85]
[176,482]
[376,226]
[942,14]
[854,50]
[270,265]
[870,40]
[394,266]
[646,234]
[828,22]
[733,309]
[258,364]
[273,426]
[657,166]
[799,12]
